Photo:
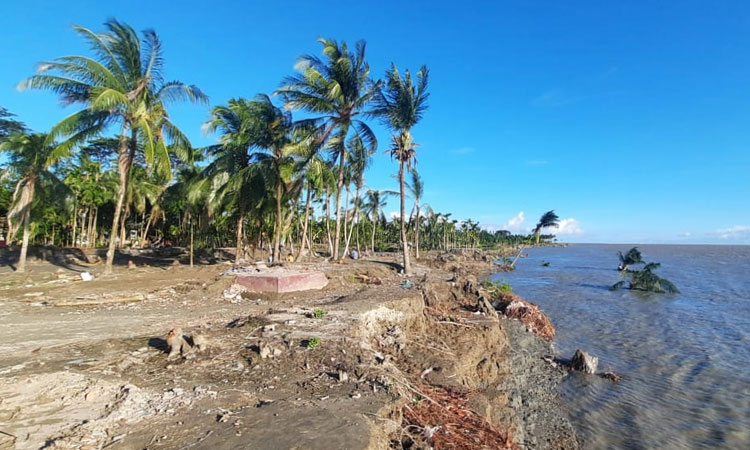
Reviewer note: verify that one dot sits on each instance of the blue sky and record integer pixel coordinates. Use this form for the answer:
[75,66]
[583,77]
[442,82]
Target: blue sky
[630,119]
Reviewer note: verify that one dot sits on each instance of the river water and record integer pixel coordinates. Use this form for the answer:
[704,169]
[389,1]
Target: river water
[684,358]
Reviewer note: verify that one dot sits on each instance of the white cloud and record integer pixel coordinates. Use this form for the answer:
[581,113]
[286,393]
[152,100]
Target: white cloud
[394,215]
[685,234]
[569,227]
[735,232]
[515,224]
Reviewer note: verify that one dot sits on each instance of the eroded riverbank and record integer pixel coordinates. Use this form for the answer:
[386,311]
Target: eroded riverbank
[393,367]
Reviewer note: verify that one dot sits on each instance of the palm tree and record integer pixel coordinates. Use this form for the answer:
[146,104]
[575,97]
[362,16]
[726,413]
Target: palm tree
[401,104]
[121,86]
[31,157]
[416,189]
[633,256]
[232,168]
[548,220]
[374,210]
[361,157]
[339,90]
[193,188]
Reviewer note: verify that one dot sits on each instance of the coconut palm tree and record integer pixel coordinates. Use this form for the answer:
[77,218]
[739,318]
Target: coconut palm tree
[416,189]
[548,220]
[632,257]
[121,86]
[31,157]
[401,103]
[232,167]
[360,161]
[376,201]
[338,91]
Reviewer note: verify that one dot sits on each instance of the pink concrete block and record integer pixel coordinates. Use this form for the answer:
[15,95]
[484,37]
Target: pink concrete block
[280,282]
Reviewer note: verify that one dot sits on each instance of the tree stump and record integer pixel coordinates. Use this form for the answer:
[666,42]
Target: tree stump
[583,362]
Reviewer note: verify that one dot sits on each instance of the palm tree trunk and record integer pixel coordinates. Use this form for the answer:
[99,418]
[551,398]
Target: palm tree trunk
[346,214]
[277,231]
[124,161]
[25,242]
[94,232]
[416,233]
[75,223]
[239,233]
[304,227]
[146,228]
[354,219]
[404,242]
[191,241]
[339,186]
[328,222]
[372,239]
[125,215]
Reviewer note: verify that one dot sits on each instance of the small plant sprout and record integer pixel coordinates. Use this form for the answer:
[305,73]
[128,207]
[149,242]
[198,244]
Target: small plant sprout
[313,342]
[318,313]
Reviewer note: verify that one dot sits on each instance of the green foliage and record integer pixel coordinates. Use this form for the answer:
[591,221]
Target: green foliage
[313,342]
[646,280]
[548,220]
[497,288]
[632,257]
[9,125]
[318,313]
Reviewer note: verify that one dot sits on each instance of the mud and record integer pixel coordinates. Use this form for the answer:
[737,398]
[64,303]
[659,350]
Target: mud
[95,374]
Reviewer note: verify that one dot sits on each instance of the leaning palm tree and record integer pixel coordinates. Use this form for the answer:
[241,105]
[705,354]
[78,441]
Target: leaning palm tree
[548,220]
[633,256]
[338,90]
[121,86]
[401,103]
[31,157]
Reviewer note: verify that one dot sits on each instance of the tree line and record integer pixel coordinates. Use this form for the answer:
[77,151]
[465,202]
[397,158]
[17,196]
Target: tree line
[119,171]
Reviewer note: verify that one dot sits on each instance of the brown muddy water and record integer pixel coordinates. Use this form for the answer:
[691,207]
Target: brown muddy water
[684,358]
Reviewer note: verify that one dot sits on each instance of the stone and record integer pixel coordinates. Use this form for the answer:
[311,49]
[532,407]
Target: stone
[583,362]
[282,281]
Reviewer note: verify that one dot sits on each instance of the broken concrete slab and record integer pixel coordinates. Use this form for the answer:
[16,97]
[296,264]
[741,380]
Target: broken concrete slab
[283,281]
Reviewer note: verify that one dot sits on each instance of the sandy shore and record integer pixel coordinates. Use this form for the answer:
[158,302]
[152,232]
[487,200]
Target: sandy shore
[84,364]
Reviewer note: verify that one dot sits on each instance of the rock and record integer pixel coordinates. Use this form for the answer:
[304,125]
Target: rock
[583,362]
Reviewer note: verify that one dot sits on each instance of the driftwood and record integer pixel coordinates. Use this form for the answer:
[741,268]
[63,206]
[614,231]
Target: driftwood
[583,362]
[100,301]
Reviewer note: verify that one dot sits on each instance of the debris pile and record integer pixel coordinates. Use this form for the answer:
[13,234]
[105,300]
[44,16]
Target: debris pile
[441,419]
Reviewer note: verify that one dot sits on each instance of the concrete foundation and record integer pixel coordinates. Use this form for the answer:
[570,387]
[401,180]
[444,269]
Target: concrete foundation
[280,282]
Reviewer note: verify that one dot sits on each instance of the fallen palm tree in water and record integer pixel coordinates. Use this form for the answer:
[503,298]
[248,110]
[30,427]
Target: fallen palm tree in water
[631,258]
[646,280]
